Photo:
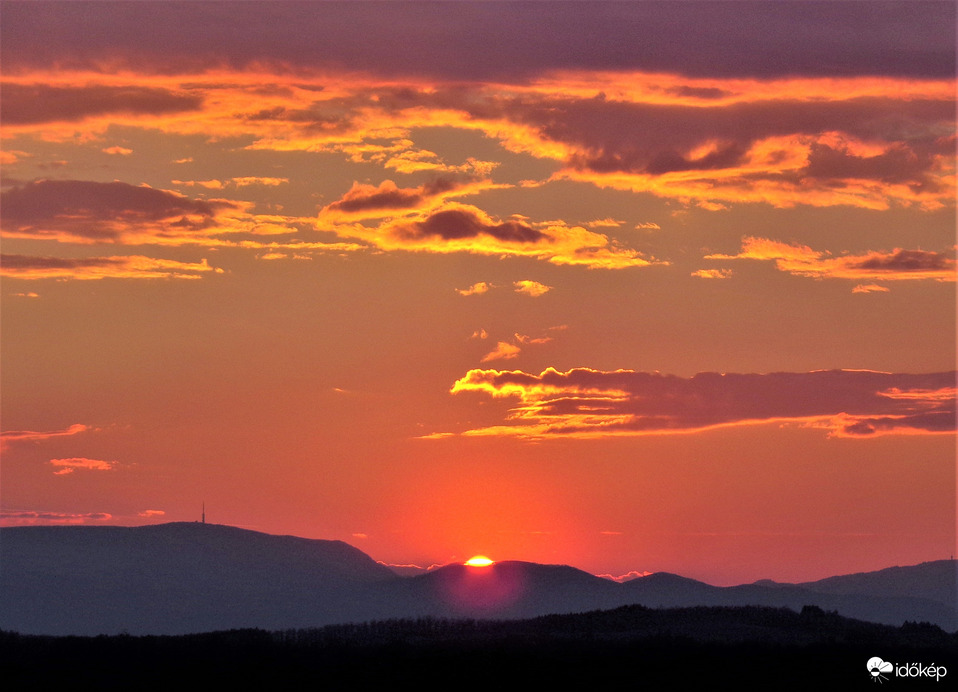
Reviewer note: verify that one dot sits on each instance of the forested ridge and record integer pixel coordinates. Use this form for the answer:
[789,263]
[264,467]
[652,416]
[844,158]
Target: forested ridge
[652,645]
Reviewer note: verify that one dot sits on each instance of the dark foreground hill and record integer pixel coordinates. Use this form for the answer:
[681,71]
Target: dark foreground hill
[744,648]
[190,577]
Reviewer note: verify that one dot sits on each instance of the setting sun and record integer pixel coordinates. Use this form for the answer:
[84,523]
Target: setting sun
[479,561]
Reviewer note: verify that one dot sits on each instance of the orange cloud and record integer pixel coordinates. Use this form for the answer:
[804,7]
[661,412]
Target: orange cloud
[801,260]
[247,180]
[10,437]
[527,340]
[208,184]
[66,466]
[244,181]
[608,222]
[388,199]
[17,517]
[151,513]
[713,273]
[462,228]
[531,288]
[506,351]
[594,403]
[870,288]
[476,289]
[503,351]
[89,268]
[711,142]
[628,576]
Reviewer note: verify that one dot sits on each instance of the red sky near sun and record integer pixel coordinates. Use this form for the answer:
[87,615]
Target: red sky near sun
[628,286]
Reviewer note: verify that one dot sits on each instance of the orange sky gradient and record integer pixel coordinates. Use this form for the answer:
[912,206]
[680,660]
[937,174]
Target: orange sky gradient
[656,291]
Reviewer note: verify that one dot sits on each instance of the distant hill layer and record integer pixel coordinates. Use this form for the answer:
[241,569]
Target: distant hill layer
[191,577]
[177,578]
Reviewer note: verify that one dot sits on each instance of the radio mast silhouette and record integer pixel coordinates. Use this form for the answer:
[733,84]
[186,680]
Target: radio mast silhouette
[204,513]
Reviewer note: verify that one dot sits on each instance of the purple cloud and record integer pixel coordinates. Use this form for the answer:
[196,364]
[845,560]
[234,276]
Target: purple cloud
[584,402]
[478,40]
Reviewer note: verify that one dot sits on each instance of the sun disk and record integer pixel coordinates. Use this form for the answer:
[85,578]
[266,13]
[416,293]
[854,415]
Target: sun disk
[479,561]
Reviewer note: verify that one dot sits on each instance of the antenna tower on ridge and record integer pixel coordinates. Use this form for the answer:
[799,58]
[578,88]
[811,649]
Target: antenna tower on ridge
[204,512]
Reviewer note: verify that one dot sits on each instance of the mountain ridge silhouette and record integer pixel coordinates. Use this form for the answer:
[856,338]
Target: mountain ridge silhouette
[183,577]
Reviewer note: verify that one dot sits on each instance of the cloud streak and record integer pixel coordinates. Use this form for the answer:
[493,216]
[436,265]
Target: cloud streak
[15,517]
[592,403]
[388,199]
[93,268]
[801,260]
[11,437]
[503,351]
[67,466]
[35,104]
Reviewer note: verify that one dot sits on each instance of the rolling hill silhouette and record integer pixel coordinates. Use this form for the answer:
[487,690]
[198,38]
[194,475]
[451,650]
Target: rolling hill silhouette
[189,577]
[177,578]
[509,589]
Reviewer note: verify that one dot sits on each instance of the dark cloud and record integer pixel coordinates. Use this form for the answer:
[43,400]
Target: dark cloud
[610,136]
[801,260]
[93,268]
[383,199]
[906,261]
[648,138]
[18,263]
[389,197]
[453,224]
[590,402]
[29,104]
[934,421]
[699,92]
[902,163]
[478,40]
[97,211]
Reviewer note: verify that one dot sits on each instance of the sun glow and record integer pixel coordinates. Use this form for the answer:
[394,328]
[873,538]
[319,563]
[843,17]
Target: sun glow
[479,561]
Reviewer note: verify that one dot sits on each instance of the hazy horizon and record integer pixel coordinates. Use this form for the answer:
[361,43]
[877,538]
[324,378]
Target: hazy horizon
[409,569]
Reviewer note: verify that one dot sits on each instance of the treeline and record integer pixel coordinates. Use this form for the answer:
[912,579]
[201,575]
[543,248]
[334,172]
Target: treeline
[700,645]
[718,624]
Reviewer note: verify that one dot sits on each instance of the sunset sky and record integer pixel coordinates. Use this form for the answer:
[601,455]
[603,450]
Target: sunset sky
[634,287]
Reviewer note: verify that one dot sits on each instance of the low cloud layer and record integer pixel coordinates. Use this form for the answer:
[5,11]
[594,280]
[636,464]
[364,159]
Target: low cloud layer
[15,517]
[593,403]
